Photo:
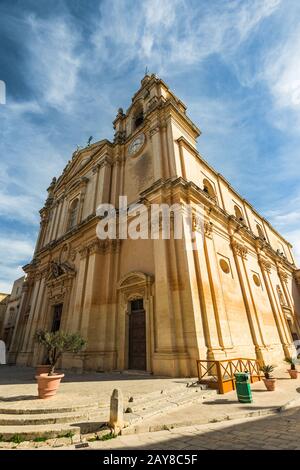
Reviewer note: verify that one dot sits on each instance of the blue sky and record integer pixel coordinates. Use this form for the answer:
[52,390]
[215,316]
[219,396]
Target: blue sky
[69,65]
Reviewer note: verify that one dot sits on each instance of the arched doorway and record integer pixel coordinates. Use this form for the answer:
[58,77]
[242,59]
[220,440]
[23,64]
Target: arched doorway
[137,336]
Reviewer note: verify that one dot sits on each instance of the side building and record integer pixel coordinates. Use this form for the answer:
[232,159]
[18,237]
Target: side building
[4,298]
[154,304]
[11,318]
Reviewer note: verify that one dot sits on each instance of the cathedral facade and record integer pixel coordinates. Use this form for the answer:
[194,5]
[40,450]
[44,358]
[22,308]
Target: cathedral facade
[155,304]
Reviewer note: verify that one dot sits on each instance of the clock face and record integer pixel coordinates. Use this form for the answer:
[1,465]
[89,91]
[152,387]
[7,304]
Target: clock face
[136,144]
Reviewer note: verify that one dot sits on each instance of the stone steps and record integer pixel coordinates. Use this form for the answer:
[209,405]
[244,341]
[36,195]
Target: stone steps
[171,399]
[29,432]
[51,421]
[46,410]
[169,403]
[37,419]
[162,394]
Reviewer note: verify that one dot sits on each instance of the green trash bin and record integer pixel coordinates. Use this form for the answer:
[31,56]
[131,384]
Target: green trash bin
[242,385]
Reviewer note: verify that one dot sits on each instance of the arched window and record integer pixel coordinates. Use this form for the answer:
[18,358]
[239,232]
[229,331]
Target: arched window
[238,213]
[73,213]
[138,118]
[260,231]
[208,188]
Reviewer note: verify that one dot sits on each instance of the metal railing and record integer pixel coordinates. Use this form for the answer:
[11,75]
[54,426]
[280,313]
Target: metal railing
[220,374]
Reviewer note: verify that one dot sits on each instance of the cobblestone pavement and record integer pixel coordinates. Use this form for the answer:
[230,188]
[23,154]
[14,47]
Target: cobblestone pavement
[279,431]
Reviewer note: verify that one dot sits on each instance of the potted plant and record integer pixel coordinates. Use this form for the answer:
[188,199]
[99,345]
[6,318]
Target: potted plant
[292,371]
[56,343]
[43,369]
[268,380]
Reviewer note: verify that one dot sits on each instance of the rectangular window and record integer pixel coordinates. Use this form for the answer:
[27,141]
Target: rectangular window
[56,317]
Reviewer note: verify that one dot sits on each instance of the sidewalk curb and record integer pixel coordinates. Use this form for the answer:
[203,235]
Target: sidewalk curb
[289,404]
[144,428]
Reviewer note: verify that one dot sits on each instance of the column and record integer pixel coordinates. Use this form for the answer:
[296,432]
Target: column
[164,327]
[158,171]
[60,207]
[80,289]
[96,169]
[240,255]
[90,291]
[221,316]
[265,266]
[52,222]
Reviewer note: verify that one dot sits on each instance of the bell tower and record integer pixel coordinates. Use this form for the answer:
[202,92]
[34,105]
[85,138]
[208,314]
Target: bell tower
[150,133]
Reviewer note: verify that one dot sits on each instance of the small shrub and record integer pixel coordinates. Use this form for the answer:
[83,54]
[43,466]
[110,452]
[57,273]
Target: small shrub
[17,439]
[267,371]
[106,437]
[57,343]
[292,362]
[40,439]
[68,434]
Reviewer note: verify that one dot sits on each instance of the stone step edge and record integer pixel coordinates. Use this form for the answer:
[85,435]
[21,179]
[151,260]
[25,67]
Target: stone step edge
[147,427]
[148,413]
[173,401]
[23,420]
[64,409]
[30,433]
[138,404]
[179,388]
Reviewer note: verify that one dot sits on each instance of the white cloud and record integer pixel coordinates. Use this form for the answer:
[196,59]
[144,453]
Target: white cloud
[55,60]
[13,250]
[21,208]
[282,72]
[286,219]
[171,34]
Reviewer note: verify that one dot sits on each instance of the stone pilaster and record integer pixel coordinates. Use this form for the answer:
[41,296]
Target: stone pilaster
[266,268]
[221,316]
[240,252]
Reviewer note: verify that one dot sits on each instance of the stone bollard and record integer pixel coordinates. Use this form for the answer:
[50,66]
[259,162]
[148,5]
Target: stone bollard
[116,421]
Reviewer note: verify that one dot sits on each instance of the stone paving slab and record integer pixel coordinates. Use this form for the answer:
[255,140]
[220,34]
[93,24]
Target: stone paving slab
[18,388]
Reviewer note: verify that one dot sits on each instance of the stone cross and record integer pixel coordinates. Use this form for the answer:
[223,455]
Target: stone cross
[116,421]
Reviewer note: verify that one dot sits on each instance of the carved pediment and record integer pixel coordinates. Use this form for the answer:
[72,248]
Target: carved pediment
[135,278]
[56,270]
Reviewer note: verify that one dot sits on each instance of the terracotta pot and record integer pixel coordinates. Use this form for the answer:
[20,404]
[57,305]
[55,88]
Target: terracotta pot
[48,384]
[270,384]
[293,373]
[42,369]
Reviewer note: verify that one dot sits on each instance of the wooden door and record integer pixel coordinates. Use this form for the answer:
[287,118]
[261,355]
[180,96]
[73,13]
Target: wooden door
[137,336]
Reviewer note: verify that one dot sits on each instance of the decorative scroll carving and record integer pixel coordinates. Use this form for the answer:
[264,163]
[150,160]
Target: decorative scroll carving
[283,275]
[205,227]
[96,168]
[239,249]
[83,252]
[119,137]
[72,254]
[94,247]
[208,229]
[56,269]
[265,265]
[154,130]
